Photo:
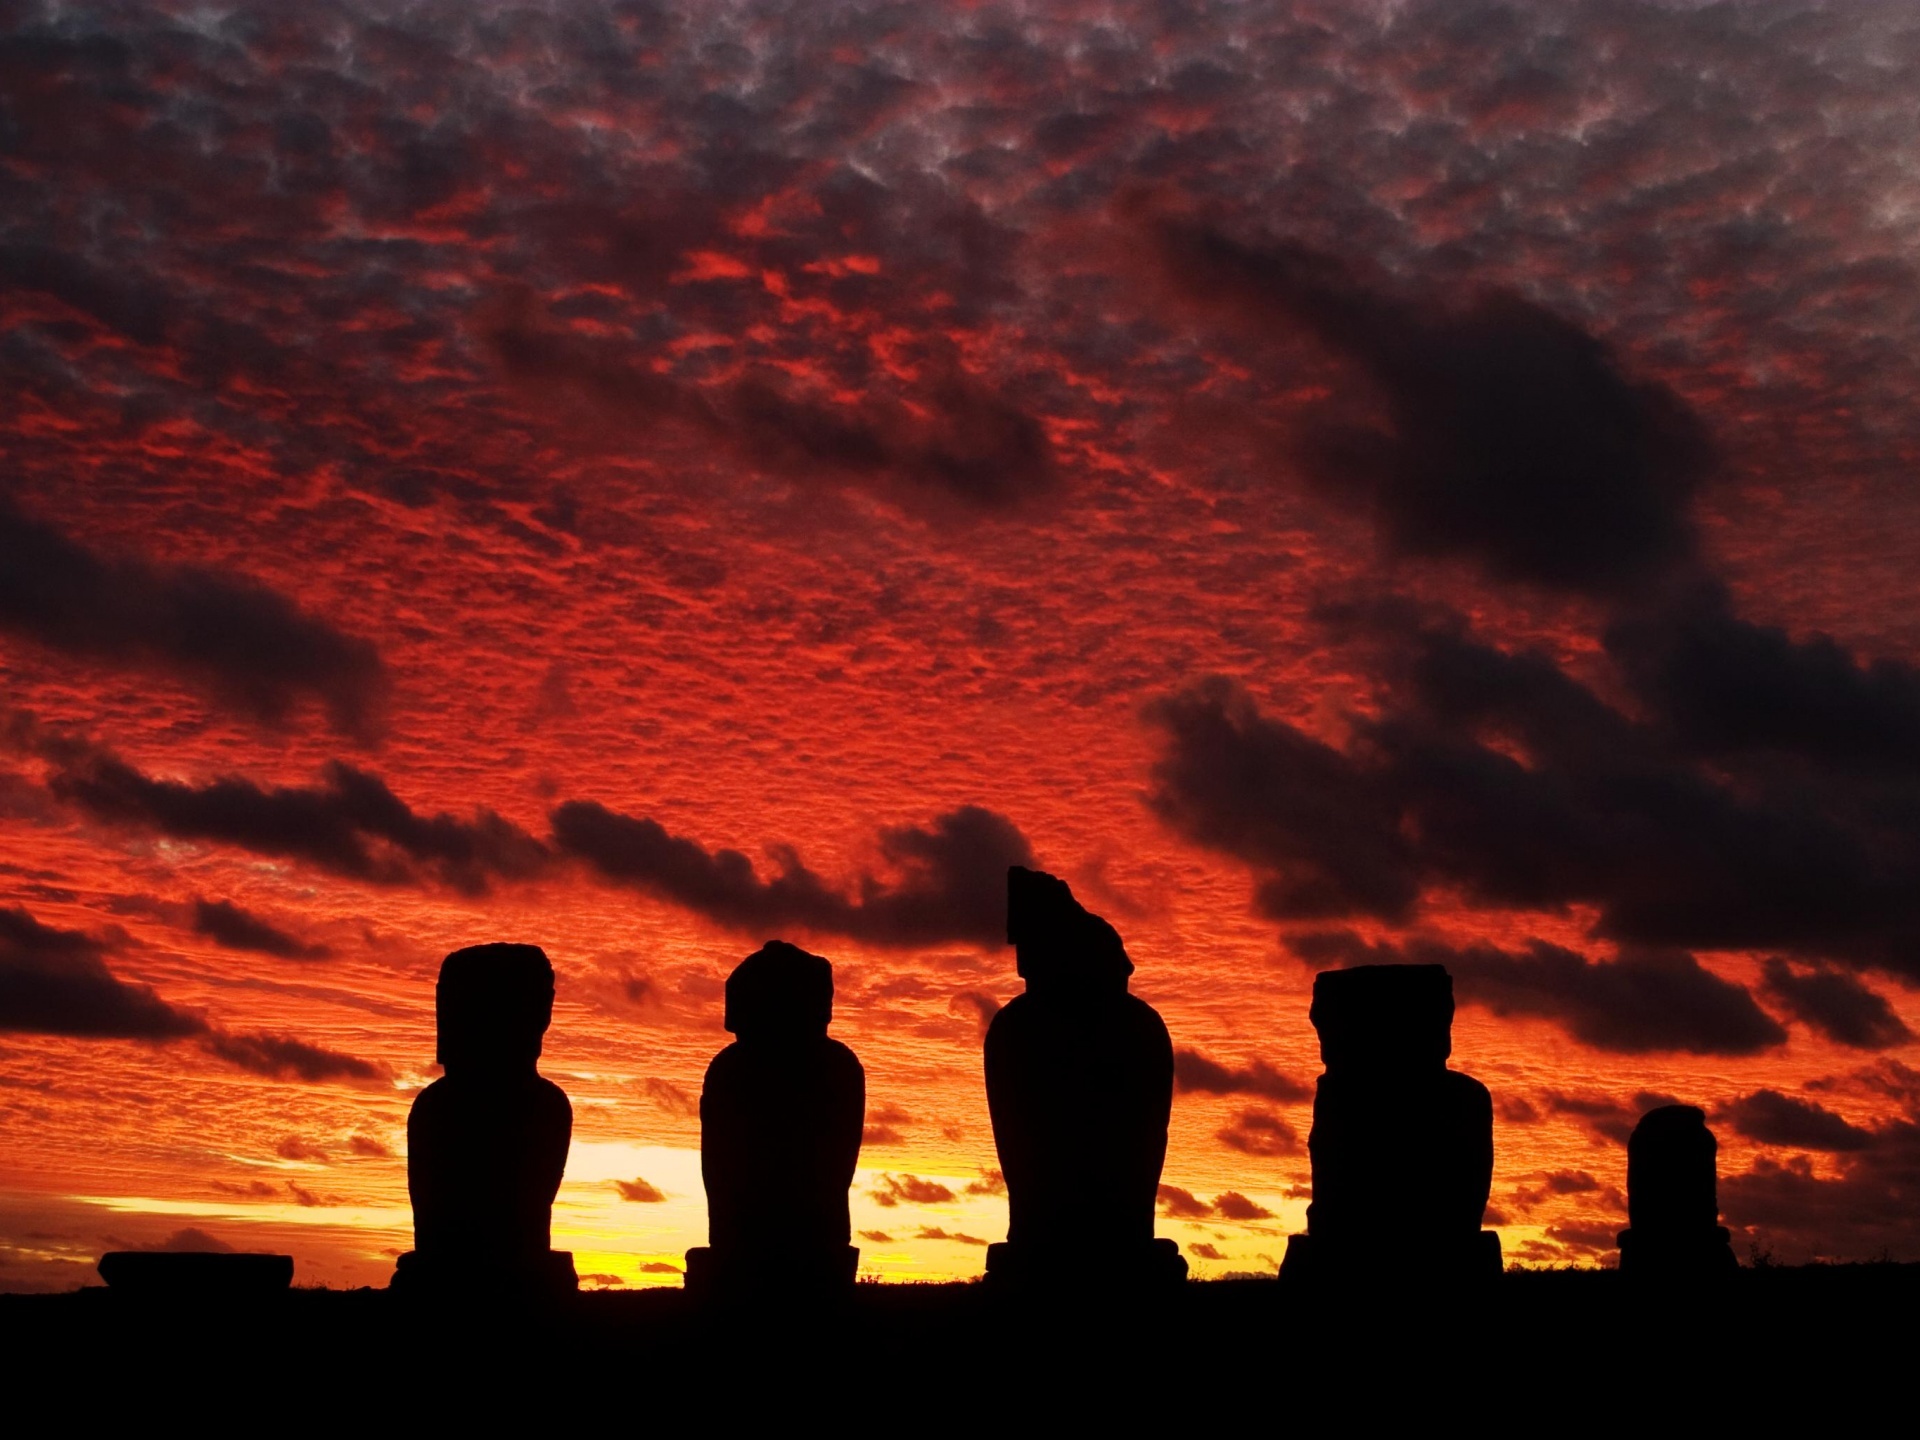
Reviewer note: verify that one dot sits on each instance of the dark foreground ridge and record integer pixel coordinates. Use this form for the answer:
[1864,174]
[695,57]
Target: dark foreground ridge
[1537,1349]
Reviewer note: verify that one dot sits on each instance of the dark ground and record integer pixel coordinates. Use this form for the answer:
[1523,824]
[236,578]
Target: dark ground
[1552,1350]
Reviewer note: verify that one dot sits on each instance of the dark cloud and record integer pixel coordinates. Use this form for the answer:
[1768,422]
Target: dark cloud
[671,1097]
[281,1057]
[294,1148]
[1320,826]
[934,1232]
[991,1182]
[892,1189]
[226,924]
[1179,1204]
[878,1237]
[349,824]
[1721,686]
[950,886]
[1512,437]
[953,436]
[884,1124]
[55,982]
[1608,1117]
[1836,1005]
[1182,1204]
[1232,1205]
[1593,1236]
[1205,1250]
[1771,1118]
[249,645]
[1861,1211]
[1195,1073]
[1260,1132]
[370,1146]
[640,1191]
[659,1267]
[1497,776]
[1641,1002]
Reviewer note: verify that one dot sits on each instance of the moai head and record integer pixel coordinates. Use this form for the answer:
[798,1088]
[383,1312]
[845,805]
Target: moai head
[780,992]
[492,1005]
[1384,1017]
[1061,947]
[1671,1184]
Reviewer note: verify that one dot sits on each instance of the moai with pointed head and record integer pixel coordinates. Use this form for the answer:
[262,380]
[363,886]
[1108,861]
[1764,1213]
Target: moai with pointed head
[1080,1087]
[780,1118]
[1401,1146]
[1673,1201]
[487,1142]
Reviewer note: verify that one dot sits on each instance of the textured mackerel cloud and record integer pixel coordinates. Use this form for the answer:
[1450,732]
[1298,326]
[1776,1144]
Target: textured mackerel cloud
[1337,483]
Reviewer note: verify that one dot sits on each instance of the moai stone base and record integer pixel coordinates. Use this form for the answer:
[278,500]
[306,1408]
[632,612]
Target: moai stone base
[1154,1264]
[818,1273]
[1309,1261]
[1673,1204]
[1402,1147]
[174,1275]
[537,1277]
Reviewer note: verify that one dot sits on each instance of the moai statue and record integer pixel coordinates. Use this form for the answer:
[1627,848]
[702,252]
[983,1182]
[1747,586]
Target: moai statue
[1401,1146]
[1080,1086]
[780,1118]
[487,1142]
[1673,1203]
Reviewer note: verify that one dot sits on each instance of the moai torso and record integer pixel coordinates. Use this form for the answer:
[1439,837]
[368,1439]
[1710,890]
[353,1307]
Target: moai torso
[487,1143]
[780,1112]
[1079,1080]
[1402,1147]
[1673,1205]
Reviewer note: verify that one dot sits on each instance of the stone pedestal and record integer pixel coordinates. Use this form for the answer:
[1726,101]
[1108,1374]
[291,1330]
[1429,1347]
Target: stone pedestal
[175,1275]
[1472,1259]
[822,1273]
[540,1276]
[1146,1265]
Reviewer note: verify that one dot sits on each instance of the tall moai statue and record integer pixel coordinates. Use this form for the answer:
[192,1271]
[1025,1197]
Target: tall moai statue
[487,1142]
[780,1118]
[1080,1087]
[1401,1146]
[1673,1201]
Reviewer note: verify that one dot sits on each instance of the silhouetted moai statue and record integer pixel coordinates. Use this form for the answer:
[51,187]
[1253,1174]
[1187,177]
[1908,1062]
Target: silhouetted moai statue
[1673,1202]
[780,1118]
[1080,1085]
[487,1142]
[1402,1147]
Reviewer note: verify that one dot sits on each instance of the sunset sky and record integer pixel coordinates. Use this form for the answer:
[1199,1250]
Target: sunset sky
[1332,481]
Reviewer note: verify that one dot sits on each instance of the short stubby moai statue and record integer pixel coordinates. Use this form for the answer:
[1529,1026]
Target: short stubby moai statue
[1401,1146]
[487,1142]
[1673,1201]
[780,1118]
[1080,1087]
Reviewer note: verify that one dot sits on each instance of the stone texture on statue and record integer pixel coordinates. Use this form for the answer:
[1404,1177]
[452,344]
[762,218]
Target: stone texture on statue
[1673,1204]
[487,1142]
[1080,1087]
[780,1119]
[1401,1146]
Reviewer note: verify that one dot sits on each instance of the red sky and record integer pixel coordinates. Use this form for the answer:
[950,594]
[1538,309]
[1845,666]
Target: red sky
[1330,481]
